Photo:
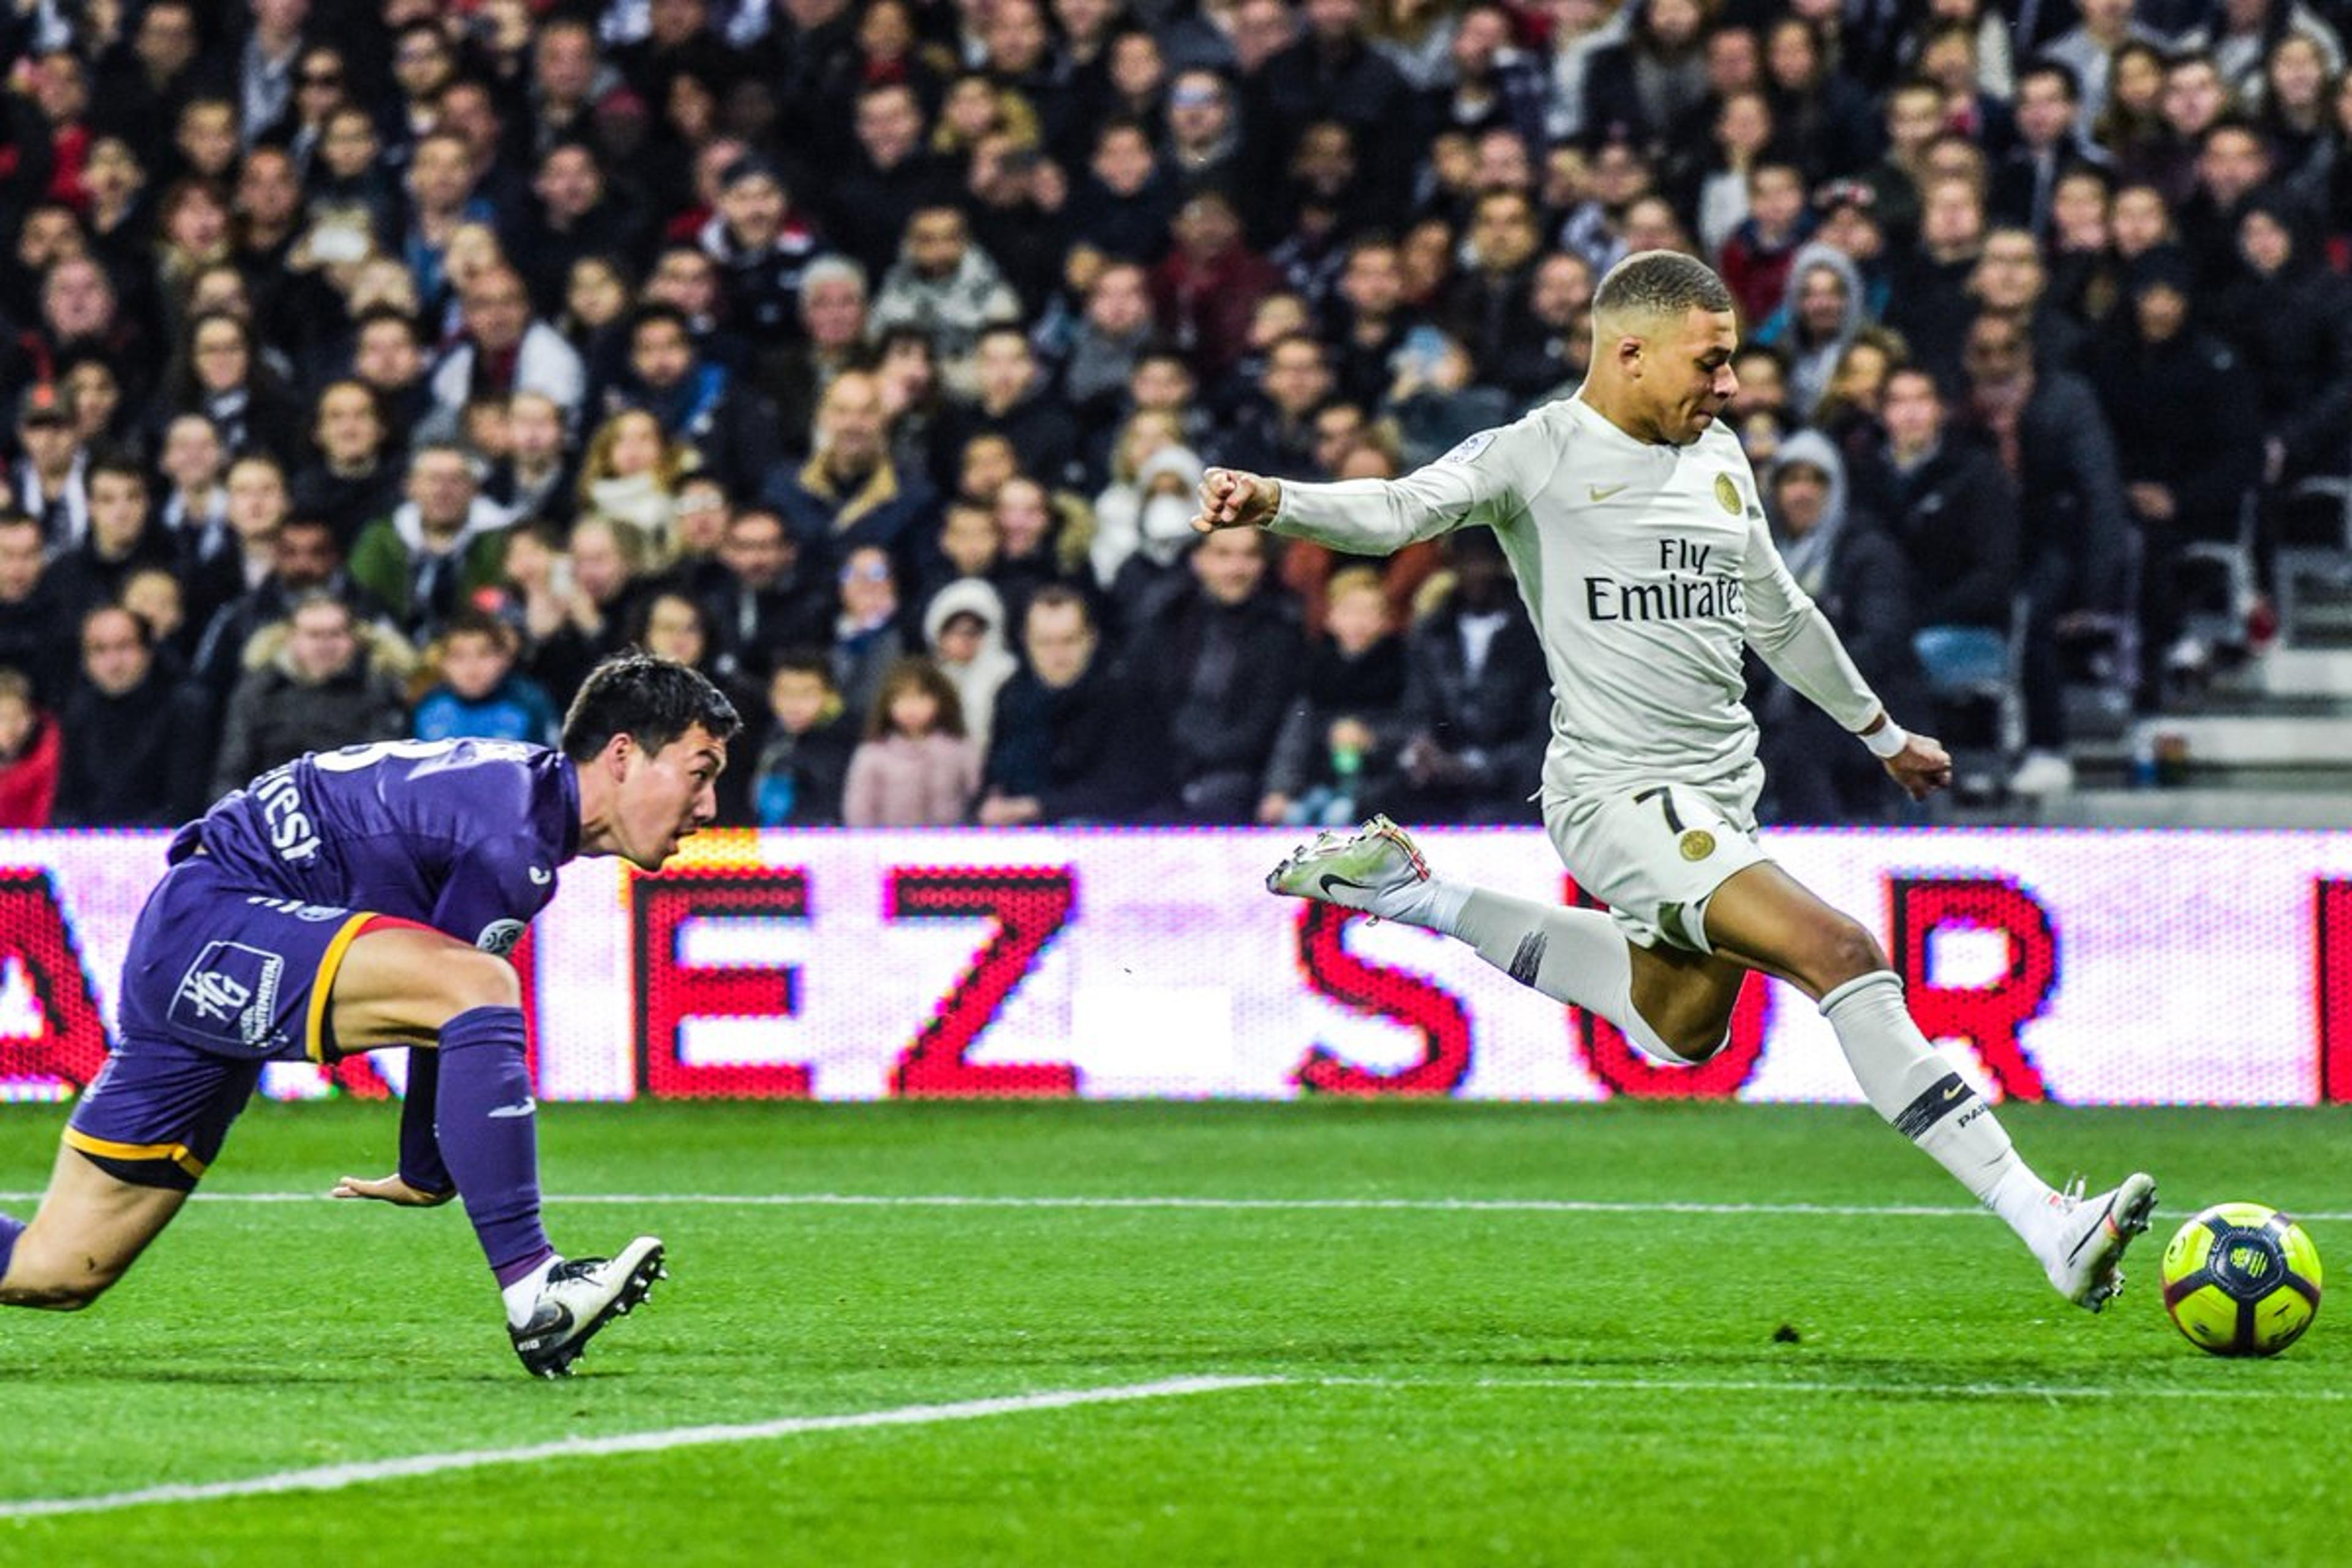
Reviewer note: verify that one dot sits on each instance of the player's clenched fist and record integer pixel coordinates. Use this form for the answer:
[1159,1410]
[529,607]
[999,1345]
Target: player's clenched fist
[1231,498]
[1922,767]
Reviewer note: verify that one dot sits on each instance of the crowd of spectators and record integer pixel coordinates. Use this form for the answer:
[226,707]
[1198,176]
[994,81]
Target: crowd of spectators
[373,367]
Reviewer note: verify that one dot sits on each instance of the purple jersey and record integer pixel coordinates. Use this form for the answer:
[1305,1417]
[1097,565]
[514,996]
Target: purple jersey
[462,836]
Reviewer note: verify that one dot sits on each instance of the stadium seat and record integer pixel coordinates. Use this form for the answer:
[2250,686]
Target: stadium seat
[2315,553]
[1975,677]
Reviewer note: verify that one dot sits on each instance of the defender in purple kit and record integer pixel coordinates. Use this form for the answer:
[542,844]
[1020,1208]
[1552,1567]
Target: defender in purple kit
[367,898]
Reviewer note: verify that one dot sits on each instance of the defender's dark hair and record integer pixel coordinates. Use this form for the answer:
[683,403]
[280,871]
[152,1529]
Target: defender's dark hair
[1653,283]
[651,700]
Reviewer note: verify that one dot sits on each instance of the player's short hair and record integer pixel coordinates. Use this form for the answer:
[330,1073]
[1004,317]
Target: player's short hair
[652,701]
[1653,284]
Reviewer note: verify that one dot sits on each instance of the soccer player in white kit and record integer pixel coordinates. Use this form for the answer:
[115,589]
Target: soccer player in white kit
[1631,520]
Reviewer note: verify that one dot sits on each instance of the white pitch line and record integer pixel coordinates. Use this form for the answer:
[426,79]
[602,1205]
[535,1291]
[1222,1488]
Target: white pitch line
[336,1478]
[1884,1390]
[1272,1206]
[1269,1205]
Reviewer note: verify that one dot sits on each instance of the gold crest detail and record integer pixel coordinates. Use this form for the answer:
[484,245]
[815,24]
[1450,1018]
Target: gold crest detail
[1698,843]
[1726,494]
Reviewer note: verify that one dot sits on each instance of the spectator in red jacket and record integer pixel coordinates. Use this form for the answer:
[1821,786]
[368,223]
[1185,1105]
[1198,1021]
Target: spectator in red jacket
[29,755]
[1206,291]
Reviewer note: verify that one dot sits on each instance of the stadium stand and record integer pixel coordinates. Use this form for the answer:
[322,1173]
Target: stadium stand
[447,310]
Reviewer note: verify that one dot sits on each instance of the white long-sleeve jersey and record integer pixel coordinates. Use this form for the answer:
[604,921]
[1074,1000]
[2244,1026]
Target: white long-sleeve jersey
[1644,567]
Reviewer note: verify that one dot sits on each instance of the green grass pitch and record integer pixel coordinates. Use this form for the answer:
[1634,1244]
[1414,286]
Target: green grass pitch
[1492,1334]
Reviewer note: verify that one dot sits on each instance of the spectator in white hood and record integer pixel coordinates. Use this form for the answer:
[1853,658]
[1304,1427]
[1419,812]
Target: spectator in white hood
[964,627]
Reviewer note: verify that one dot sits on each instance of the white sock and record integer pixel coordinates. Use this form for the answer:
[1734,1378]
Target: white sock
[523,1295]
[1434,905]
[1910,1084]
[1576,956]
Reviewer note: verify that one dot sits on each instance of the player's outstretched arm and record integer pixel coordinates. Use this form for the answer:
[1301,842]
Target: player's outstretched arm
[1232,499]
[1481,481]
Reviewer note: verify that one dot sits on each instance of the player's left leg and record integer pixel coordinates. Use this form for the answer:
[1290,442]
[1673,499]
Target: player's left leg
[406,984]
[1765,916]
[90,1227]
[1672,1001]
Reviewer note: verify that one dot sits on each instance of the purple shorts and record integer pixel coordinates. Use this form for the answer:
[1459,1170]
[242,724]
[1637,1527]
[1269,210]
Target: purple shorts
[219,979]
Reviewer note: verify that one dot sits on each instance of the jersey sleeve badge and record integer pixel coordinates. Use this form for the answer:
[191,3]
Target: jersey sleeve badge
[1469,447]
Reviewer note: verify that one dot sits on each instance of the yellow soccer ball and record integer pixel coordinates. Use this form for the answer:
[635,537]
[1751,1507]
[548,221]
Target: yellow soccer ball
[2242,1279]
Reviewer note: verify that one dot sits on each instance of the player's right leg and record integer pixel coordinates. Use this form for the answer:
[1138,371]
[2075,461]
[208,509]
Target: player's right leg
[1768,918]
[404,984]
[90,1227]
[153,1120]
[1675,1002]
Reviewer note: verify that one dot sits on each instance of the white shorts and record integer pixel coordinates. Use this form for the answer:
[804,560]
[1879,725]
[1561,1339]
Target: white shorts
[1655,855]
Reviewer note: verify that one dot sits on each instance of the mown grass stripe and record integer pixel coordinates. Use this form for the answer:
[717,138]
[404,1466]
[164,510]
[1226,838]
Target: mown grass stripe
[1273,1205]
[336,1478]
[2265,1390]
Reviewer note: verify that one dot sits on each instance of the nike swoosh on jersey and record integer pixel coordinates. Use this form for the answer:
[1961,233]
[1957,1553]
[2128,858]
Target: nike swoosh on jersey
[506,1112]
[1602,493]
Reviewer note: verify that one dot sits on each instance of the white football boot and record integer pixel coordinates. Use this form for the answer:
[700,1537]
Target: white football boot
[2083,1252]
[1377,869]
[580,1296]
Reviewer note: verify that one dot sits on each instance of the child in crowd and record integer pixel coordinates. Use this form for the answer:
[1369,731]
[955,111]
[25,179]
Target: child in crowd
[1758,256]
[805,758]
[964,624]
[1355,681]
[480,694]
[916,768]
